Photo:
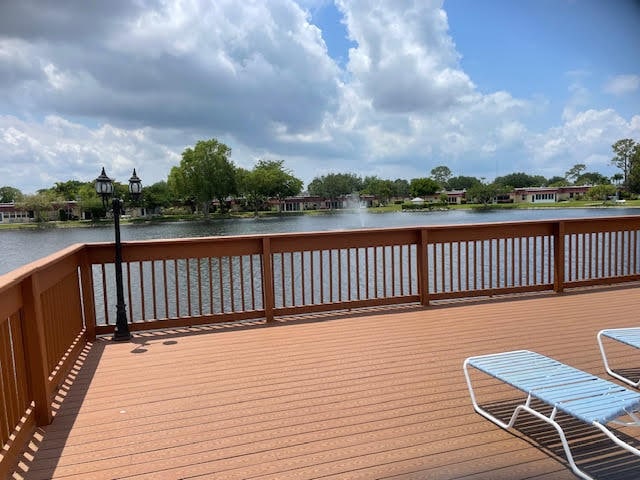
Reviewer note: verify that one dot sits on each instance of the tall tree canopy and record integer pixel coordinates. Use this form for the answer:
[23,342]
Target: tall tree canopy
[383,189]
[441,174]
[557,181]
[520,180]
[400,188]
[574,172]
[156,196]
[205,173]
[592,178]
[268,179]
[10,194]
[421,187]
[625,151]
[463,183]
[335,185]
[68,190]
[485,193]
[41,204]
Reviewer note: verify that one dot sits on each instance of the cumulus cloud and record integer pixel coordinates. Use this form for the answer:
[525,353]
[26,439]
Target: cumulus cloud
[131,84]
[622,84]
[58,150]
[224,66]
[586,137]
[404,61]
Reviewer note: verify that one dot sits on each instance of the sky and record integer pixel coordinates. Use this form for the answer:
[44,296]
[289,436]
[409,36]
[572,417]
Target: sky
[391,88]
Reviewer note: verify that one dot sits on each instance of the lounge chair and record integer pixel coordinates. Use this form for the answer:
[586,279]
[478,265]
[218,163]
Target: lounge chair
[565,389]
[627,336]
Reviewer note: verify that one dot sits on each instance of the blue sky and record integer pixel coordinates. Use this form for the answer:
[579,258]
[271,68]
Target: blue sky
[390,88]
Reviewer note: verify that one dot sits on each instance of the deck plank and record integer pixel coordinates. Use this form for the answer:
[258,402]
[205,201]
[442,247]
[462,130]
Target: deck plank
[359,396]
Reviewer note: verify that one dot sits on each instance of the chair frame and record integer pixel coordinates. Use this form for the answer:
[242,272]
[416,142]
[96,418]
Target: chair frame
[581,378]
[622,335]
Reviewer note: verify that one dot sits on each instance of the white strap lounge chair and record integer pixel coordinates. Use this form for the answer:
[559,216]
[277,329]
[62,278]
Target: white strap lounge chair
[627,336]
[565,389]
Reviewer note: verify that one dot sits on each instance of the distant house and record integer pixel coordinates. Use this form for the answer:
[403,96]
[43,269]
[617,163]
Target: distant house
[549,194]
[573,192]
[454,197]
[15,213]
[298,203]
[10,213]
[536,195]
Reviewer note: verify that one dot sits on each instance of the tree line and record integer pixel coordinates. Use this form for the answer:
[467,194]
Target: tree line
[206,177]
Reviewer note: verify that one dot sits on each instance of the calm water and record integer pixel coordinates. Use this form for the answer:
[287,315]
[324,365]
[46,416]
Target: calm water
[23,246]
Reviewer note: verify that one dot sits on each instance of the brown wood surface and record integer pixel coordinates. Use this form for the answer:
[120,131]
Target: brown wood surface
[361,395]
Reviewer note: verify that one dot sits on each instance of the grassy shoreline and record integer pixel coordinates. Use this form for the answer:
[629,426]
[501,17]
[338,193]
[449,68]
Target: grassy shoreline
[386,209]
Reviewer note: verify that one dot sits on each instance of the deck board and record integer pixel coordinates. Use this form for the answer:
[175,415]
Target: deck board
[358,395]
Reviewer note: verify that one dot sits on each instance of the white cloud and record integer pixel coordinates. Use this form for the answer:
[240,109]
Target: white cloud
[59,150]
[404,61]
[142,84]
[586,137]
[622,84]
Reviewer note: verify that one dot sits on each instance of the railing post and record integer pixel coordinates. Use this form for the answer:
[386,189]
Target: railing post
[88,302]
[267,279]
[423,267]
[558,257]
[33,333]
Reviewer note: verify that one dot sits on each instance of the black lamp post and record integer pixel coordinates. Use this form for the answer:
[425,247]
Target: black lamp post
[104,188]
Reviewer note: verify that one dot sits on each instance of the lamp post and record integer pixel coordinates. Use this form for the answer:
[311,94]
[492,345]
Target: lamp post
[104,188]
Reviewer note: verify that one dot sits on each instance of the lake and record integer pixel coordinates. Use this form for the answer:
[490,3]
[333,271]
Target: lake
[20,247]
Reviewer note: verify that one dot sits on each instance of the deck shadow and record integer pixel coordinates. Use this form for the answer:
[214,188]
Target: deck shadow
[72,392]
[593,452]
[140,337]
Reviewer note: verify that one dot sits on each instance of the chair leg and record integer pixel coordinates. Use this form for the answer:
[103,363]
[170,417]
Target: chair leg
[527,408]
[608,368]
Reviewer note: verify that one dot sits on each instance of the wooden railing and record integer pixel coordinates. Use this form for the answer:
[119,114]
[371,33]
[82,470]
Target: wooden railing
[51,308]
[41,334]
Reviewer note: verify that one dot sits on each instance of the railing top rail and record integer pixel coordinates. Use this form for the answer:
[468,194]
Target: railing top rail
[16,276]
[518,224]
[399,228]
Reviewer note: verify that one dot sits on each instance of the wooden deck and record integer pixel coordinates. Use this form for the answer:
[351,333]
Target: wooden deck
[354,396]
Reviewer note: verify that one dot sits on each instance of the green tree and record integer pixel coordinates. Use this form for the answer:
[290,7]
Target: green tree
[557,181]
[520,180]
[463,183]
[335,185]
[41,204]
[574,172]
[205,174]
[624,151]
[268,179]
[617,178]
[400,188]
[90,202]
[157,195]
[483,193]
[68,190]
[601,192]
[382,189]
[421,187]
[10,194]
[441,174]
[592,178]
[633,182]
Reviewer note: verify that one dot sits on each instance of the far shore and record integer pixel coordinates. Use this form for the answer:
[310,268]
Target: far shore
[373,210]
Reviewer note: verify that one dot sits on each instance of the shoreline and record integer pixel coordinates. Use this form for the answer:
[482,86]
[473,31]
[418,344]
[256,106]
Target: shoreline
[261,215]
